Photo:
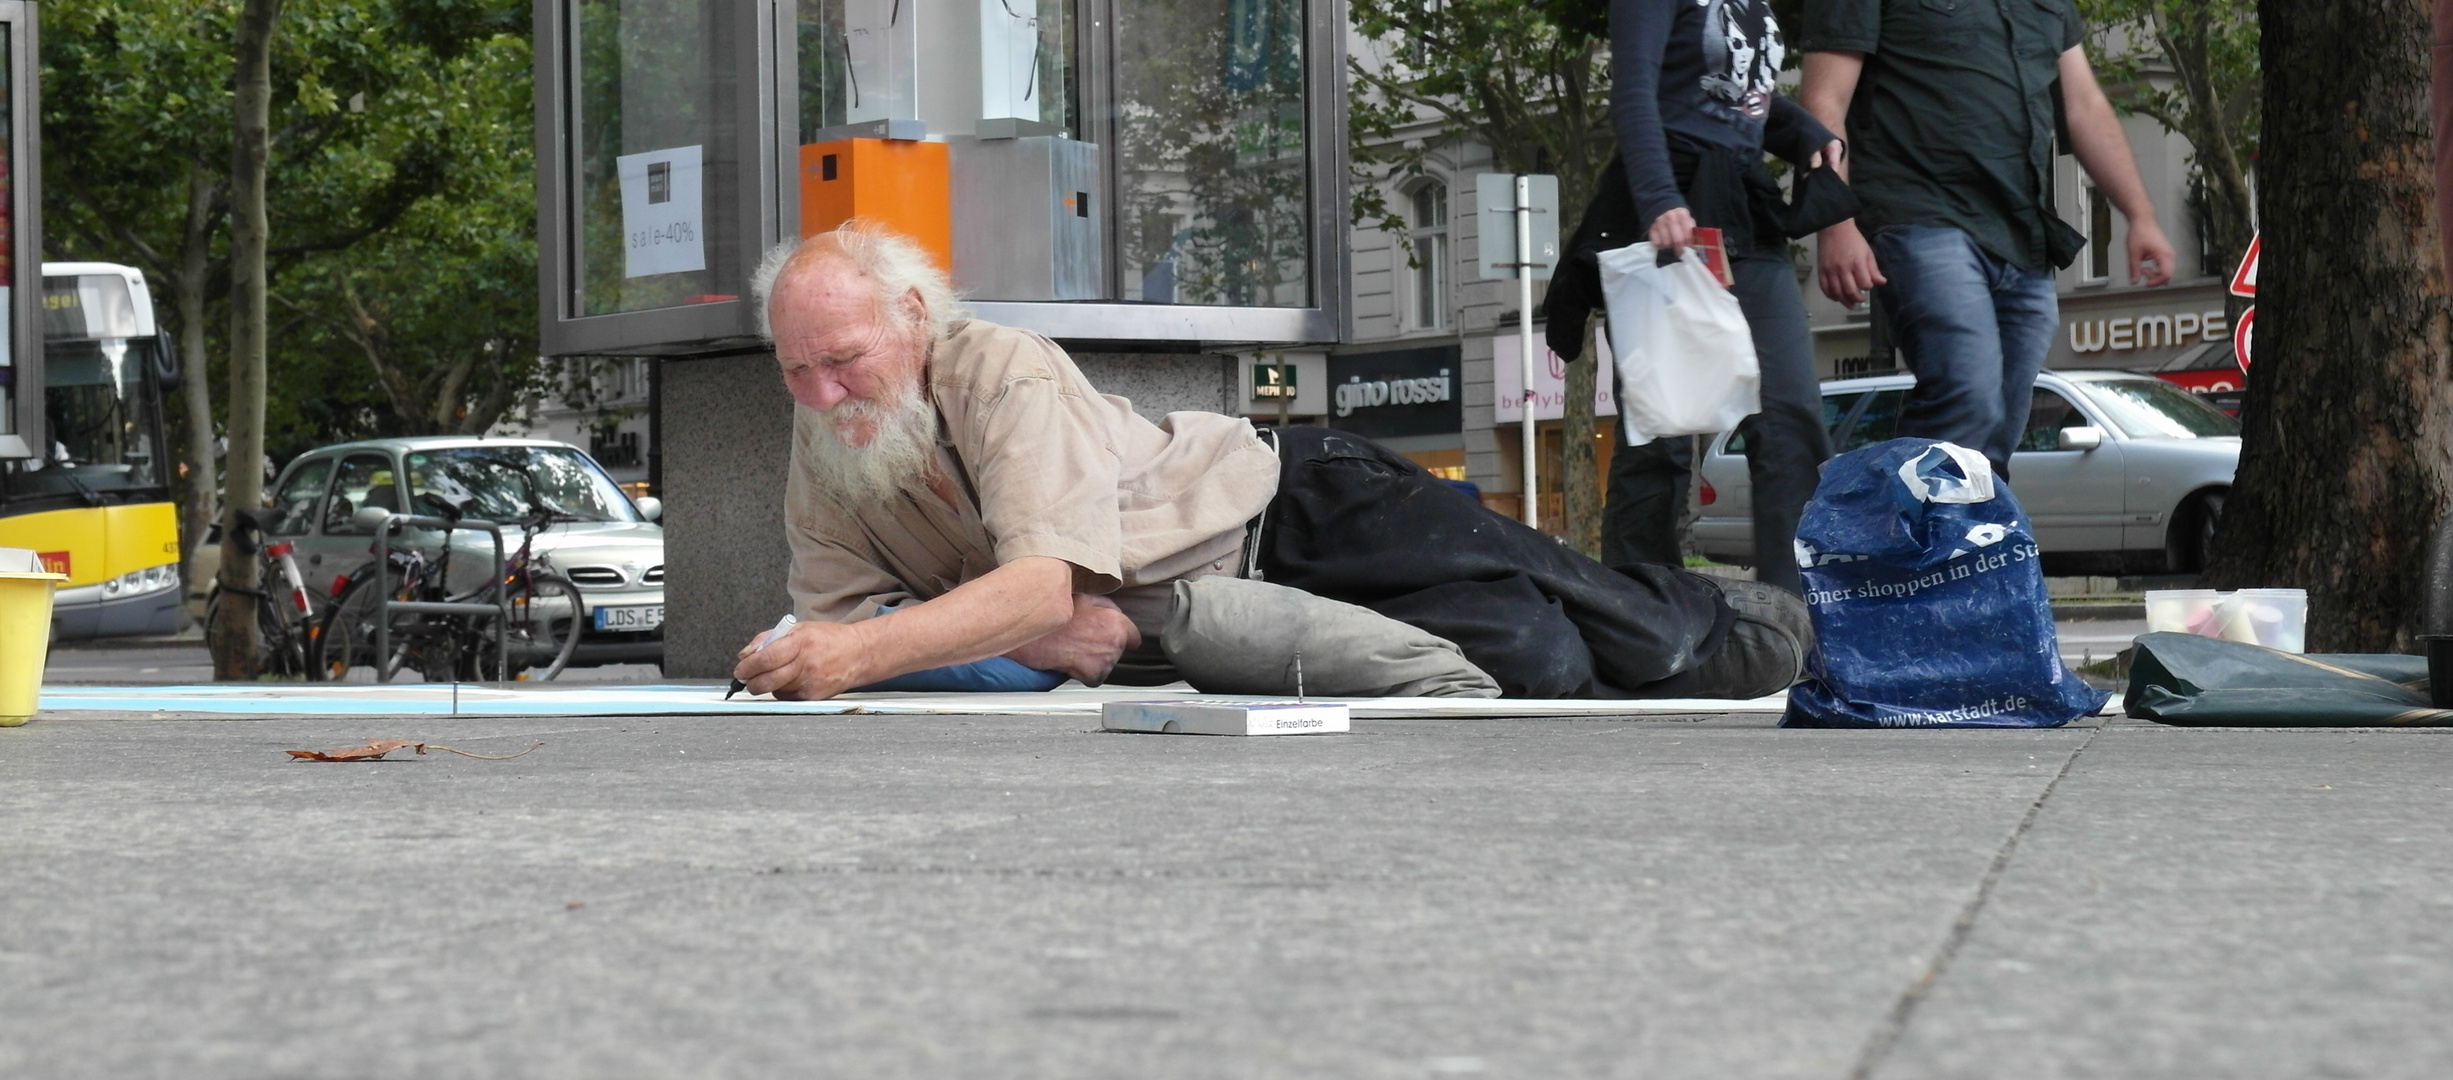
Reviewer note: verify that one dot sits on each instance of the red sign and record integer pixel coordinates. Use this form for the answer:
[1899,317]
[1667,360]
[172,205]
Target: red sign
[2205,380]
[2240,337]
[54,562]
[2244,280]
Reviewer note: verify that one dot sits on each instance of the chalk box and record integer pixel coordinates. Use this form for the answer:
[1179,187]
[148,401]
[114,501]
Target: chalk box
[1198,717]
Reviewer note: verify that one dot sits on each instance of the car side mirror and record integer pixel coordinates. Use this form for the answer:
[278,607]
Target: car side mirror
[370,518]
[2080,438]
[650,507]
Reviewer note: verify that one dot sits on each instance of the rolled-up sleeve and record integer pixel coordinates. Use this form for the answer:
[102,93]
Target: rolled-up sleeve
[1047,475]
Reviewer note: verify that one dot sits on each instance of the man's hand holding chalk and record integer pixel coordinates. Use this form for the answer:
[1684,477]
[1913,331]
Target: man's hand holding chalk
[782,626]
[811,661]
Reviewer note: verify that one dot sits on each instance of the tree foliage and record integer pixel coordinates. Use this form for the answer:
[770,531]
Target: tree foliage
[2192,65]
[434,317]
[401,175]
[361,263]
[1529,80]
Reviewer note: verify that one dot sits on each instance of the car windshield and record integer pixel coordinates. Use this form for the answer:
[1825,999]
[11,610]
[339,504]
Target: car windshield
[508,483]
[2153,408]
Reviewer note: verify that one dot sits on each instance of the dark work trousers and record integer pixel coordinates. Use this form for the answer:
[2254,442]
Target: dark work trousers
[1785,443]
[1357,522]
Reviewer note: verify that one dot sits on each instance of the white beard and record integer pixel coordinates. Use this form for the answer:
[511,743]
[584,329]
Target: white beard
[900,455]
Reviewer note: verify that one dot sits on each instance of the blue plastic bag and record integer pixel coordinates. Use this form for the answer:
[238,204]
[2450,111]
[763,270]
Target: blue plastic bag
[1928,599]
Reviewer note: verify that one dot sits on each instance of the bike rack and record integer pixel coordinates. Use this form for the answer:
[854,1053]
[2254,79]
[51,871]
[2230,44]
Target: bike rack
[500,609]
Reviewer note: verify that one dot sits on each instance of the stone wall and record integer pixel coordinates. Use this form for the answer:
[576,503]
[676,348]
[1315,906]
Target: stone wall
[727,434]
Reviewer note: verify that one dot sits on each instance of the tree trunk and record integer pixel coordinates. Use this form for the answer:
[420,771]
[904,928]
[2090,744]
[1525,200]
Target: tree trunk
[2440,97]
[2348,444]
[236,657]
[1579,485]
[195,254]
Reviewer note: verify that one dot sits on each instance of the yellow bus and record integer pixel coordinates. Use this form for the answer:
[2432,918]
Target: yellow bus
[93,499]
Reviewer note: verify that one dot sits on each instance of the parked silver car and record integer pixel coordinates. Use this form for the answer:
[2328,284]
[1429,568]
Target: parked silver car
[2120,473]
[599,538]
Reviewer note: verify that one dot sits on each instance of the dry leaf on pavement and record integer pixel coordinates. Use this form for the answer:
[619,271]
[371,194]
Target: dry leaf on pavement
[376,748]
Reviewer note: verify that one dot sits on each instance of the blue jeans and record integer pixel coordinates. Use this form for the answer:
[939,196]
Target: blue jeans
[1785,443]
[1973,328]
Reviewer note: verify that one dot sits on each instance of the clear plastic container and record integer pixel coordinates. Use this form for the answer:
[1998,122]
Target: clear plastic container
[2274,618]
[2182,611]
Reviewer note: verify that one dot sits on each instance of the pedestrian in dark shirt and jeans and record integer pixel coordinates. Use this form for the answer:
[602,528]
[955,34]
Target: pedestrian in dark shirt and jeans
[1948,106]
[1695,106]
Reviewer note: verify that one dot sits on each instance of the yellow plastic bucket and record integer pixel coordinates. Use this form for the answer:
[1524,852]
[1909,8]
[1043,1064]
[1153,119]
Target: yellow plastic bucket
[25,641]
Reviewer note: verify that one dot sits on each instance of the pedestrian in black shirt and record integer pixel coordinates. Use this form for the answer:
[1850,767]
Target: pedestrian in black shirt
[1949,106]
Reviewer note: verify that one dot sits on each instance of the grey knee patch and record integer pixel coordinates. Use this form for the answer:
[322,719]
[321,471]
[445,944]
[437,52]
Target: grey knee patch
[1231,636]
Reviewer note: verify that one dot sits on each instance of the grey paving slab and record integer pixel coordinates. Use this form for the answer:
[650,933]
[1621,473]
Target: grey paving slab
[2213,904]
[950,897]
[125,666]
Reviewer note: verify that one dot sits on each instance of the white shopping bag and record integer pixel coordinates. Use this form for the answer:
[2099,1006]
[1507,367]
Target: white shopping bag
[1686,360]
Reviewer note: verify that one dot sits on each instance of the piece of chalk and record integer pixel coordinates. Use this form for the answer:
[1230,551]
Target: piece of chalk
[783,624]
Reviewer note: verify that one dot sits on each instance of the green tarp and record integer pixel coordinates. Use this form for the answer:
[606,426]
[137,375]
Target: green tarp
[2201,682]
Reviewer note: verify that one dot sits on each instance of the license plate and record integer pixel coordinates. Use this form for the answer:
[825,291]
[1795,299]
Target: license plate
[630,618]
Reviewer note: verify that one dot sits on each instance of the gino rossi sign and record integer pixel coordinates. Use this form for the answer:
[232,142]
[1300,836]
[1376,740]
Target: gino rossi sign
[1383,395]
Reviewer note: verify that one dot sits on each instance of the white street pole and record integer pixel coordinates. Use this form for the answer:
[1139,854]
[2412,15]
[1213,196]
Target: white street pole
[1524,330]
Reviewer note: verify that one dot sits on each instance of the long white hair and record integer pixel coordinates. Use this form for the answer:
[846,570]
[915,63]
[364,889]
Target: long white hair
[886,258]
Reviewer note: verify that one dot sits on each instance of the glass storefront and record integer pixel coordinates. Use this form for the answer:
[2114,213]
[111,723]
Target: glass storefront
[1103,158]
[861,60]
[1212,163]
[655,155]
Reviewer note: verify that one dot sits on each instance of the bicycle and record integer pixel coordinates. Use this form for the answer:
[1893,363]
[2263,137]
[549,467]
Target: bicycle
[547,615]
[544,615]
[289,615]
[347,639]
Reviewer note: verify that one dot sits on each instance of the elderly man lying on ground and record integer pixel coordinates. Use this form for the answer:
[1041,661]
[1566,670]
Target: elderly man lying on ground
[966,510]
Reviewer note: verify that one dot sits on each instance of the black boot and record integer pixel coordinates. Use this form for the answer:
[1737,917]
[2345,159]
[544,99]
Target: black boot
[1766,650]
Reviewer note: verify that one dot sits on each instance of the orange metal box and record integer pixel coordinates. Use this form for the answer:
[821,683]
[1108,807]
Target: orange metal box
[903,185]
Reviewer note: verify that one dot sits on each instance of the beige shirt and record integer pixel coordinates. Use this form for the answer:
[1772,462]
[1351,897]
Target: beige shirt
[1040,463]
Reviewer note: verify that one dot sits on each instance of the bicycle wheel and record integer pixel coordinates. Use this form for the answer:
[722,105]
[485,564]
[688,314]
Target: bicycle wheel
[289,634]
[279,651]
[344,649]
[308,627]
[546,621]
[285,649]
